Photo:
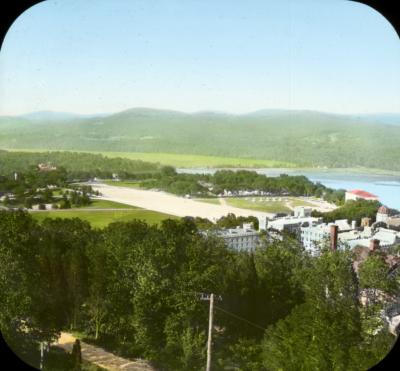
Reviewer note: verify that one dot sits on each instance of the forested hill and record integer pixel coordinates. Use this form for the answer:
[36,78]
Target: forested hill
[306,138]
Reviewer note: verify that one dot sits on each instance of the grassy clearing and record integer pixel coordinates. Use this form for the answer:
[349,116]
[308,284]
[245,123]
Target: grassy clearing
[299,202]
[101,218]
[105,204]
[266,206]
[183,160]
[188,161]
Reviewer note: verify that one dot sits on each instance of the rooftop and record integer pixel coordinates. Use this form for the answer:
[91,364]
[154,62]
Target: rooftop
[362,193]
[237,232]
[383,210]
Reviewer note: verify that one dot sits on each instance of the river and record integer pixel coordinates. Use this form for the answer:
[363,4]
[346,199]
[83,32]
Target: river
[386,187]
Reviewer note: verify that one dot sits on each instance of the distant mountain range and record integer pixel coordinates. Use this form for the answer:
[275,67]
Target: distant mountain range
[57,116]
[305,138]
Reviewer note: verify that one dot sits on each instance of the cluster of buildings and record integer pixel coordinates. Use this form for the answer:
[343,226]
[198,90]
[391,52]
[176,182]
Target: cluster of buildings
[313,233]
[363,240]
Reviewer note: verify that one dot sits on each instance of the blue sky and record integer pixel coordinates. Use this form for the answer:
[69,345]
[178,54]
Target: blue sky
[235,56]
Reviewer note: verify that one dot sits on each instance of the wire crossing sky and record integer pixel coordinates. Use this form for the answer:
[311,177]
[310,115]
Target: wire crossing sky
[235,56]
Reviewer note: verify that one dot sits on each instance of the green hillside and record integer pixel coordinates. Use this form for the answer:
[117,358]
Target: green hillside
[305,138]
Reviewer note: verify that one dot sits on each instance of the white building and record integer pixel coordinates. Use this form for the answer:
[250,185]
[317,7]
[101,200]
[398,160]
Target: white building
[262,223]
[386,237]
[313,235]
[245,238]
[292,224]
[302,211]
[382,215]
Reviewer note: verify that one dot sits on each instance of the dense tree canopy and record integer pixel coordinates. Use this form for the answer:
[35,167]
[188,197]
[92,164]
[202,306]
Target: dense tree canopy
[135,290]
[79,165]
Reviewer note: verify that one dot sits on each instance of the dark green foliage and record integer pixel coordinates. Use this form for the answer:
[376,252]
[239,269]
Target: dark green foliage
[374,274]
[351,210]
[78,165]
[232,221]
[328,330]
[134,289]
[250,180]
[202,223]
[193,184]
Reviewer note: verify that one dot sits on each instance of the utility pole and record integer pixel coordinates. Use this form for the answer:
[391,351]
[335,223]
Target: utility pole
[211,298]
[210,326]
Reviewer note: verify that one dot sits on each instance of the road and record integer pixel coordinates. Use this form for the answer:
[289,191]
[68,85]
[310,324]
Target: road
[100,357]
[171,204]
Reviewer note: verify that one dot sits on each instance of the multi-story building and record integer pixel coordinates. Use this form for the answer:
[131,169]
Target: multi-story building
[245,238]
[292,224]
[312,236]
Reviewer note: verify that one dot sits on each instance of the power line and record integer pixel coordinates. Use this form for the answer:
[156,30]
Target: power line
[240,318]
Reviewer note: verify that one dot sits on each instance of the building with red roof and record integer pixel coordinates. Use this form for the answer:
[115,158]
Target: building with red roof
[357,194]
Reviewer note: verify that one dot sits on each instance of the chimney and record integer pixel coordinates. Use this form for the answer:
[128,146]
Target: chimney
[373,244]
[334,237]
[353,224]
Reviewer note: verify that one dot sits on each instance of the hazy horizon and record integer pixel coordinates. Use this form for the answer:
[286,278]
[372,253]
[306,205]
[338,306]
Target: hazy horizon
[216,111]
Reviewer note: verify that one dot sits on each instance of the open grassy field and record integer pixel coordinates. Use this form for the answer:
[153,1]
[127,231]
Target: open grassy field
[267,204]
[294,201]
[188,161]
[202,161]
[105,204]
[183,160]
[101,218]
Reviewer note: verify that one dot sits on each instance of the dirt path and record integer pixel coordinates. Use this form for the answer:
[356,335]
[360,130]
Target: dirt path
[289,205]
[100,357]
[171,204]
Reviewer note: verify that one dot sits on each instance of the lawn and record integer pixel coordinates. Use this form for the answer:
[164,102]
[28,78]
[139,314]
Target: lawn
[101,218]
[105,204]
[299,202]
[259,204]
[185,160]
[267,204]
[188,161]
